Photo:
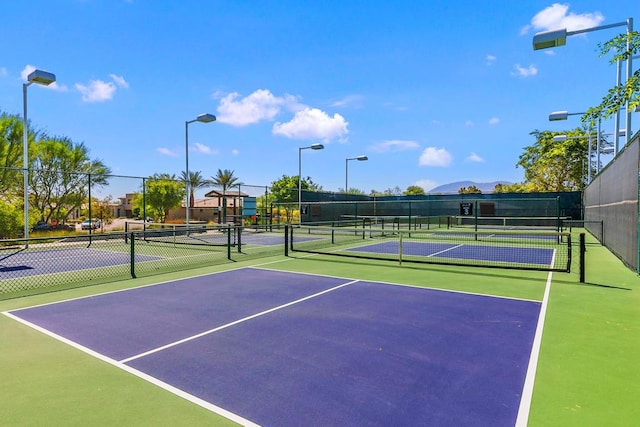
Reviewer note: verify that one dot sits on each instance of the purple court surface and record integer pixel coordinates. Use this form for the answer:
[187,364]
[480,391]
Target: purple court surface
[37,262]
[519,255]
[288,349]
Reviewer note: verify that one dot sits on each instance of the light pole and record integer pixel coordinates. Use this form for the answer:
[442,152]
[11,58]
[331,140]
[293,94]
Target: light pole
[203,118]
[564,115]
[42,78]
[555,38]
[346,171]
[313,147]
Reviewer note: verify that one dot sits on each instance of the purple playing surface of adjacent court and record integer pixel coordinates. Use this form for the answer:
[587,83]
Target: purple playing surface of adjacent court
[520,255]
[37,262]
[334,352]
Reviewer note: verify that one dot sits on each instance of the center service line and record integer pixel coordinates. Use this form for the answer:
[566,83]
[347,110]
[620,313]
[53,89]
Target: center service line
[253,316]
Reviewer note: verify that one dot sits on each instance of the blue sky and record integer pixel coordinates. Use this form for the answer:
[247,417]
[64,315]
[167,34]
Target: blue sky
[431,91]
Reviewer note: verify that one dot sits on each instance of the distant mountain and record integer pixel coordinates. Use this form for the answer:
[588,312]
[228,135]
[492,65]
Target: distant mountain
[485,187]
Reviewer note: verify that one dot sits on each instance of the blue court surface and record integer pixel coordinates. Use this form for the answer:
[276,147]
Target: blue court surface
[507,254]
[288,349]
[37,262]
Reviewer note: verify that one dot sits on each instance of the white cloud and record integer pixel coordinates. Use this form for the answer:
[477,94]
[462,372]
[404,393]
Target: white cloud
[473,157]
[312,123]
[426,184]
[354,101]
[260,105]
[491,59]
[203,149]
[468,123]
[3,72]
[494,121]
[555,17]
[520,71]
[166,152]
[120,81]
[432,156]
[96,91]
[235,152]
[394,145]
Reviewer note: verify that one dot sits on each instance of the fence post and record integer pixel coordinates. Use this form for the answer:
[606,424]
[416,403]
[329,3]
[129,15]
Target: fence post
[133,256]
[583,249]
[228,242]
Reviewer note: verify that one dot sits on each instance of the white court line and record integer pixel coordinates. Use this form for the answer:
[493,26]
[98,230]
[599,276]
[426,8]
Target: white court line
[527,390]
[445,250]
[210,331]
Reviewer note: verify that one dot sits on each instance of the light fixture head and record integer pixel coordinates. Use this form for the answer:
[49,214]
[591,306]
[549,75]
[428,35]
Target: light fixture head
[362,158]
[41,77]
[559,138]
[558,115]
[206,118]
[550,39]
[317,147]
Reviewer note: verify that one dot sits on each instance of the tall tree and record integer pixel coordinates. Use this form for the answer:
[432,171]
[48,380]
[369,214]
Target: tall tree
[61,174]
[285,190]
[196,182]
[164,192]
[414,190]
[224,179]
[555,165]
[11,156]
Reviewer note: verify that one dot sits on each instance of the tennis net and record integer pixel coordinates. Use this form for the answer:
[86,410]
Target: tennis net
[512,249]
[551,223]
[183,234]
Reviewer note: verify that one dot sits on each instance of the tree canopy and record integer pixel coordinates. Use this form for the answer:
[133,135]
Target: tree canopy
[414,190]
[551,165]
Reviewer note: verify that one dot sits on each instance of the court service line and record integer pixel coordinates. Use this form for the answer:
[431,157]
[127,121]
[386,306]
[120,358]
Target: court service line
[527,390]
[219,328]
[445,250]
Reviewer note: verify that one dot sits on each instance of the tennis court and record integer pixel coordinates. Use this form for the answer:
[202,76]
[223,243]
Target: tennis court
[283,348]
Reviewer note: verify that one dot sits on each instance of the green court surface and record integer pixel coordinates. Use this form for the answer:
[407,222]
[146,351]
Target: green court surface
[587,373]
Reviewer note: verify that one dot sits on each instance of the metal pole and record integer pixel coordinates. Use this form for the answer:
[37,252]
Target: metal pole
[346,177]
[589,159]
[299,185]
[629,72]
[25,164]
[616,121]
[186,139]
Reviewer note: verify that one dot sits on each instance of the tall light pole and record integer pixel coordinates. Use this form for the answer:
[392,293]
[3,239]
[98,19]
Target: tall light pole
[346,170]
[42,78]
[555,38]
[203,118]
[313,147]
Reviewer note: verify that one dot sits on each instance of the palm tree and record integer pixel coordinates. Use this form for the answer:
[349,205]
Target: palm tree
[224,179]
[196,181]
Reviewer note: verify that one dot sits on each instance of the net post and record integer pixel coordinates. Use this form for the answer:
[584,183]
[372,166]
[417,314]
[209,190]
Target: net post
[286,240]
[239,231]
[583,250]
[133,256]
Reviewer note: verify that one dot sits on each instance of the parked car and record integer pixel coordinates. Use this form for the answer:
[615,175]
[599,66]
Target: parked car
[41,226]
[45,226]
[91,224]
